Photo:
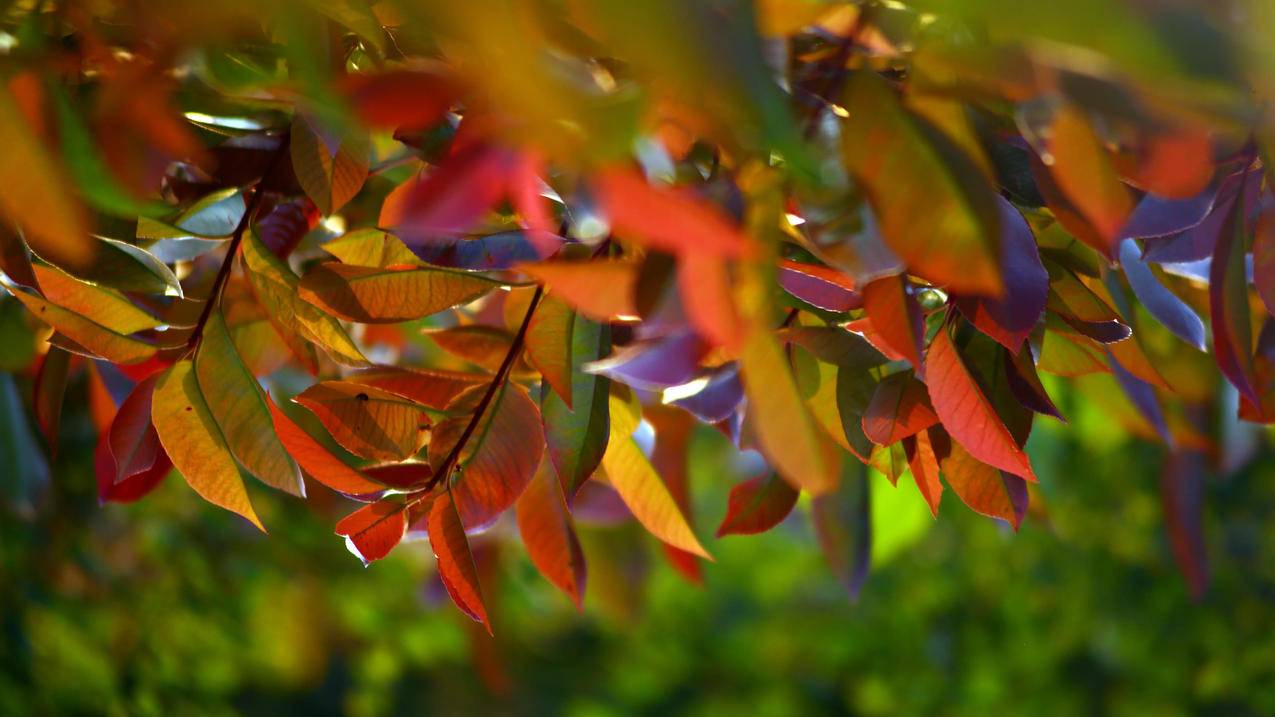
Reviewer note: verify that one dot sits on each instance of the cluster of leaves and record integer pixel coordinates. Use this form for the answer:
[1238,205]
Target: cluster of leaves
[845,234]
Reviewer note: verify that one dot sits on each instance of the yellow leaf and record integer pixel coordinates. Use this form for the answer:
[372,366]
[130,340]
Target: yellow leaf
[331,169]
[193,441]
[106,307]
[371,247]
[374,295]
[91,336]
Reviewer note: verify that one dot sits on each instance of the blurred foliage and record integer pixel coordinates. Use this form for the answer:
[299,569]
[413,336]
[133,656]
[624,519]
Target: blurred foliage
[170,606]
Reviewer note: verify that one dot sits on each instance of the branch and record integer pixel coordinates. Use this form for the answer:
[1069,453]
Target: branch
[223,274]
[502,376]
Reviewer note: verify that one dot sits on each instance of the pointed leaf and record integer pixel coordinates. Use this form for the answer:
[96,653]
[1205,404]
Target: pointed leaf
[1164,305]
[895,317]
[757,505]
[549,534]
[984,489]
[602,290]
[330,167]
[1012,317]
[50,389]
[819,286]
[900,407]
[455,561]
[549,341]
[429,387]
[665,219]
[576,435]
[133,440]
[1229,304]
[923,461]
[366,421]
[93,337]
[372,531]
[843,525]
[372,295]
[1084,172]
[105,307]
[317,461]
[371,247]
[193,441]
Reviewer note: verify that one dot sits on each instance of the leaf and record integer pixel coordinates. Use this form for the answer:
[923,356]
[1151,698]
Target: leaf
[36,195]
[372,295]
[366,421]
[130,489]
[1164,305]
[983,488]
[784,428]
[854,392]
[98,339]
[632,476]
[452,198]
[1263,262]
[602,289]
[900,408]
[895,317]
[549,534]
[819,286]
[105,307]
[315,460]
[1010,318]
[286,225]
[371,247]
[478,344]
[1157,216]
[433,388]
[372,531]
[238,404]
[707,297]
[193,441]
[455,561]
[1229,306]
[665,219]
[834,345]
[967,413]
[923,460]
[843,525]
[936,210]
[1084,172]
[654,365]
[400,99]
[1024,383]
[549,342]
[576,435]
[331,167]
[718,397]
[132,439]
[757,505]
[50,389]
[499,460]
[1182,491]
[275,287]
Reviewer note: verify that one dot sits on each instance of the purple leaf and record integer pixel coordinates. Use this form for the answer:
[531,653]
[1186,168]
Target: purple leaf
[819,286]
[653,365]
[1163,304]
[1142,395]
[495,251]
[1199,241]
[718,398]
[1159,217]
[1012,317]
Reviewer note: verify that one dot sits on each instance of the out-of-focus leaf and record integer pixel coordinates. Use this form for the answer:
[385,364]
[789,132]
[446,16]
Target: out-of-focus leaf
[191,438]
[705,287]
[1199,242]
[602,290]
[132,488]
[549,534]
[900,407]
[1024,383]
[132,439]
[400,99]
[286,225]
[936,210]
[50,389]
[238,404]
[834,345]
[455,561]
[36,195]
[330,166]
[372,531]
[632,476]
[819,286]
[373,295]
[653,365]
[368,422]
[665,219]
[577,434]
[1182,484]
[1142,396]
[718,398]
[757,505]
[1084,172]
[843,525]
[967,413]
[855,390]
[1156,216]
[93,337]
[1164,305]
[315,460]
[784,428]
[1263,262]
[1229,304]
[1012,317]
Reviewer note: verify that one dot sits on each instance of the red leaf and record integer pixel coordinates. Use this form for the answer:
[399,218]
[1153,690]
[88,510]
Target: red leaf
[132,488]
[50,388]
[984,489]
[400,99]
[133,442]
[757,505]
[819,286]
[548,532]
[672,435]
[317,461]
[452,198]
[1264,260]
[1176,165]
[429,387]
[666,219]
[455,561]
[966,413]
[704,284]
[895,317]
[372,531]
[923,459]
[900,407]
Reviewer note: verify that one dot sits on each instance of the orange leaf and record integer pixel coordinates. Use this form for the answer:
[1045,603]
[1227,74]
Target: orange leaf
[367,421]
[895,317]
[429,387]
[316,460]
[666,219]
[549,344]
[1084,172]
[602,290]
[704,284]
[372,531]
[549,533]
[455,561]
[757,505]
[900,408]
[967,414]
[983,488]
[375,295]
[924,462]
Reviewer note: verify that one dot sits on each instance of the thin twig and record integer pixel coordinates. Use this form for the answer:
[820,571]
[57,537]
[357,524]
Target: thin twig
[497,383]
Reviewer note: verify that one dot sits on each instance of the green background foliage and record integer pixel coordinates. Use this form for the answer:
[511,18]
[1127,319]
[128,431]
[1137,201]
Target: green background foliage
[171,606]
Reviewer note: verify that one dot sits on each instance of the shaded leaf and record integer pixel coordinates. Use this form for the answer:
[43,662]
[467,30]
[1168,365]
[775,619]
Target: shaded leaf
[900,407]
[434,388]
[576,435]
[331,167]
[843,525]
[1084,172]
[50,389]
[368,422]
[1010,318]
[132,438]
[757,505]
[371,247]
[1229,305]
[1164,305]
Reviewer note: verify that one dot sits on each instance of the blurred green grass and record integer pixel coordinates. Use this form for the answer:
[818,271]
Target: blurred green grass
[173,607]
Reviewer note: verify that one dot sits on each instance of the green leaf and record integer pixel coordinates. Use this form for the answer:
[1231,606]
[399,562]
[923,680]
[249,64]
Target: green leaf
[577,435]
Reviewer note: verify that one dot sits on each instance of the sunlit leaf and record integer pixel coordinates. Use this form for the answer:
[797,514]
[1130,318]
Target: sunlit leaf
[548,532]
[900,407]
[371,247]
[315,460]
[757,505]
[93,337]
[367,421]
[372,531]
[983,488]
[373,295]
[455,561]
[105,307]
[602,290]
[330,166]
[549,345]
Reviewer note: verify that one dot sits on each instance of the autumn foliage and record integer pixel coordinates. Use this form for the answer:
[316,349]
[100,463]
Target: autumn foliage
[455,261]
